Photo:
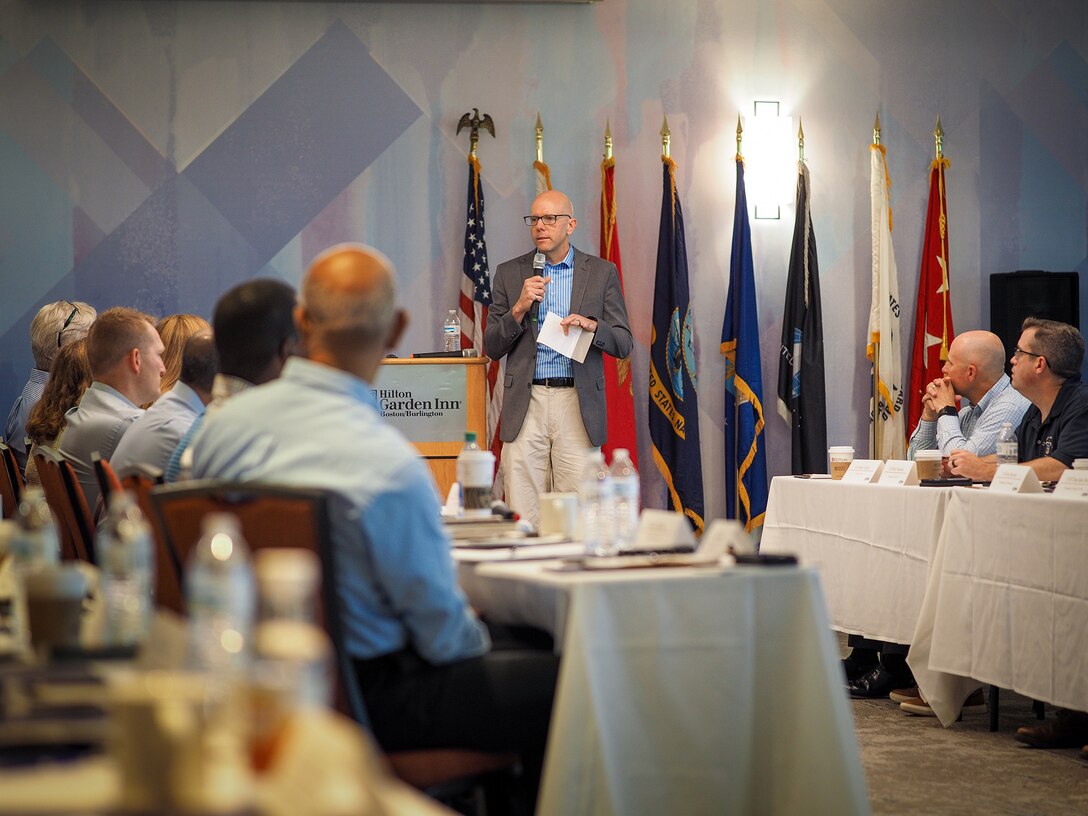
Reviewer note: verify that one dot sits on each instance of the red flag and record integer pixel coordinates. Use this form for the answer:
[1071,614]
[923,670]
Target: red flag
[617,373]
[474,300]
[933,319]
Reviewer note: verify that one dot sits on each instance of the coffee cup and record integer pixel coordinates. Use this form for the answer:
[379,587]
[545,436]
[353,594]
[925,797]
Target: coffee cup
[839,458]
[54,605]
[929,464]
[558,514]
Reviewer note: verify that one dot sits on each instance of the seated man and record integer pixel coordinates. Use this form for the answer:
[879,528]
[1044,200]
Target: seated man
[154,435]
[53,327]
[421,655]
[1054,431]
[125,354]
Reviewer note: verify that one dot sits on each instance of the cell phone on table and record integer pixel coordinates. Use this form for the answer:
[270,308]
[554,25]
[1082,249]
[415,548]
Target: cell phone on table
[767,559]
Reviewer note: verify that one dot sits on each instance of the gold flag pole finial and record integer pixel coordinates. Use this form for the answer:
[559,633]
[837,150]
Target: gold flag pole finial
[473,121]
[666,136]
[800,140]
[740,130]
[607,139]
[938,138]
[876,130]
[539,139]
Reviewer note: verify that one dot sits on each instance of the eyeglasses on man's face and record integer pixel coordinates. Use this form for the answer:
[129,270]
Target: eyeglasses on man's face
[548,219]
[1019,352]
[68,322]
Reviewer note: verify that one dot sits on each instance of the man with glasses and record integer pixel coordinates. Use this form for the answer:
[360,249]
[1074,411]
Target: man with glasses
[553,410]
[55,325]
[1054,430]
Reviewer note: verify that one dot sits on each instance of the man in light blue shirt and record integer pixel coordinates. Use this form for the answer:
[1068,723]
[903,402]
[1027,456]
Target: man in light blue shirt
[125,355]
[420,651]
[155,434]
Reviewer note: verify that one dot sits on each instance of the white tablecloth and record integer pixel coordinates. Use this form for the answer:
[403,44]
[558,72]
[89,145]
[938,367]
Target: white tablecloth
[871,545]
[1006,602]
[687,691]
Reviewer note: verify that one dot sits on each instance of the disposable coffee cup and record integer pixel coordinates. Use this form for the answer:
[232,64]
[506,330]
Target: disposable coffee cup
[558,514]
[54,605]
[476,472]
[929,464]
[1080,464]
[839,458]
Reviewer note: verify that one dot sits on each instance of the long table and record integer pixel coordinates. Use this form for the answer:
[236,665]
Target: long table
[701,691]
[1006,602]
[871,545]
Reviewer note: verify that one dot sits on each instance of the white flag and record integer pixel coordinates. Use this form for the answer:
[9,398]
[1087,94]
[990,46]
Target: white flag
[886,407]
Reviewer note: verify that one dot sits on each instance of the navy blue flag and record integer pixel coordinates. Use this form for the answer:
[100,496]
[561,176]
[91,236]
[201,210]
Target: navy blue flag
[745,449]
[674,410]
[802,400]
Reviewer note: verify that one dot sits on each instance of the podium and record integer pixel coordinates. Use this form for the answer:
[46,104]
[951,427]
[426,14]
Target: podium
[433,401]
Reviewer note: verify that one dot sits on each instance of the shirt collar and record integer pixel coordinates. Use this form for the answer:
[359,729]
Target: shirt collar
[109,391]
[996,389]
[39,376]
[225,386]
[568,260]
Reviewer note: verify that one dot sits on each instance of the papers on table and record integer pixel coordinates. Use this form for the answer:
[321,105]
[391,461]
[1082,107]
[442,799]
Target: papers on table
[574,344]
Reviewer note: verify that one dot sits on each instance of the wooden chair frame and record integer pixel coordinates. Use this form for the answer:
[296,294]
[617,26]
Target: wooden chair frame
[11,482]
[66,499]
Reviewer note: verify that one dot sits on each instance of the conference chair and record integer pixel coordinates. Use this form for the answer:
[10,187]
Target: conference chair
[108,483]
[277,516]
[66,499]
[11,482]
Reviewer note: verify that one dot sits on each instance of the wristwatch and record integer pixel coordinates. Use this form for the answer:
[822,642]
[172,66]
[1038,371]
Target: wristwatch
[948,410]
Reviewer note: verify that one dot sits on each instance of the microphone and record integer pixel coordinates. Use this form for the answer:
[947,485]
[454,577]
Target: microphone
[538,269]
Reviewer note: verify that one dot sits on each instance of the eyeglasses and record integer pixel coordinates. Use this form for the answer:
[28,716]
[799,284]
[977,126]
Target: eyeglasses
[68,322]
[1017,352]
[549,219]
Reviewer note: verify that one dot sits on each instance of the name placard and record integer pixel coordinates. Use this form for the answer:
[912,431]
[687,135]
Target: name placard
[899,472]
[1015,479]
[1073,485]
[864,471]
[663,528]
[723,534]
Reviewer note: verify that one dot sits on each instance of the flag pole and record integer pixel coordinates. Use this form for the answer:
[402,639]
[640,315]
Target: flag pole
[874,437]
[938,139]
[735,427]
[740,130]
[666,136]
[800,141]
[539,139]
[607,139]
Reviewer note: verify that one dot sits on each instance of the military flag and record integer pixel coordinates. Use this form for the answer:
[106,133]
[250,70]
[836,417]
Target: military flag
[887,437]
[617,373]
[674,410]
[802,399]
[541,173]
[745,446]
[933,319]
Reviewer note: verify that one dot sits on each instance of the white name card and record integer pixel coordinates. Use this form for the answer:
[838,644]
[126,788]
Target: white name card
[1073,485]
[723,534]
[663,528]
[899,472]
[1015,479]
[865,471]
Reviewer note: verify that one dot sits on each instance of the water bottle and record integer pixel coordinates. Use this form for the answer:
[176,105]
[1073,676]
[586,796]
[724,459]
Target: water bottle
[625,499]
[292,669]
[220,594]
[126,559]
[37,542]
[596,507]
[1007,449]
[476,474]
[451,332]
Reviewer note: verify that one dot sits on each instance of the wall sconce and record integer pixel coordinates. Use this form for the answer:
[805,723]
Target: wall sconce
[769,174]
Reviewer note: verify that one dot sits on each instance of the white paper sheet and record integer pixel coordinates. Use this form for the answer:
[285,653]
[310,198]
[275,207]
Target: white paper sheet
[575,344]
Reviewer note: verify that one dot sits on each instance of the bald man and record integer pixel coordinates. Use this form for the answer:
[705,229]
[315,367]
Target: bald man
[553,410]
[975,371]
[420,653]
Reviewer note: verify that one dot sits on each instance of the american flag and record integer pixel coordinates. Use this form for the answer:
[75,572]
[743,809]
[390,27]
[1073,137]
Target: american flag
[476,297]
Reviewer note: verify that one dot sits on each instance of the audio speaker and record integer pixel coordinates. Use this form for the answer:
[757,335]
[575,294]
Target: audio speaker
[1016,295]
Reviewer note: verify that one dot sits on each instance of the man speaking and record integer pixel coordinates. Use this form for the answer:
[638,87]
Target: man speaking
[553,410]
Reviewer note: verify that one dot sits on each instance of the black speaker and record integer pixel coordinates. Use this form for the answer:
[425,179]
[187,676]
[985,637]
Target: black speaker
[1031,293]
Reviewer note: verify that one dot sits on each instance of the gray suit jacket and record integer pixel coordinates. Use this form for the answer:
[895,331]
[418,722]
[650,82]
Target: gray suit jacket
[595,293]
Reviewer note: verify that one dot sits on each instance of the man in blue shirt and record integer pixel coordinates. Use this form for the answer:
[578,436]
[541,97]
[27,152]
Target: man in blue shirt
[553,410]
[421,653]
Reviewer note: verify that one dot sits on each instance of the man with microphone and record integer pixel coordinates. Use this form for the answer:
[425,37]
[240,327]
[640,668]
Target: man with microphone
[553,410]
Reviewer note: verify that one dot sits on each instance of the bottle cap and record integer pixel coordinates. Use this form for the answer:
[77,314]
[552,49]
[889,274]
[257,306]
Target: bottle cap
[288,567]
[470,436]
[618,453]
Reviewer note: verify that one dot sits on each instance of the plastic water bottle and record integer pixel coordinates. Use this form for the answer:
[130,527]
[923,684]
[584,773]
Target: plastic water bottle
[1007,448]
[126,559]
[476,474]
[451,332]
[220,594]
[625,499]
[37,543]
[596,507]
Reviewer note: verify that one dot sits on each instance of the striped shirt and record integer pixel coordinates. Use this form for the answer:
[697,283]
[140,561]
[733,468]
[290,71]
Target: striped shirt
[977,426]
[549,362]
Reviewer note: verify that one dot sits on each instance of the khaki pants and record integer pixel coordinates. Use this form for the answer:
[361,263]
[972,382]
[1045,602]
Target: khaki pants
[549,452]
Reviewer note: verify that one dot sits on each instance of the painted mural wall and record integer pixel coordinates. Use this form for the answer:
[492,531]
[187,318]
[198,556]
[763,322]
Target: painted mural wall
[154,154]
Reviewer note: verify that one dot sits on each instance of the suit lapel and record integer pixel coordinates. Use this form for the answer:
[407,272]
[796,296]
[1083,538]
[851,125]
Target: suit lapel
[580,282]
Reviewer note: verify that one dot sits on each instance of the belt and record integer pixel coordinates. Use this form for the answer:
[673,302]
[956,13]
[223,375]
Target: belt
[556,382]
